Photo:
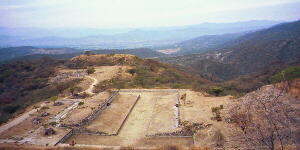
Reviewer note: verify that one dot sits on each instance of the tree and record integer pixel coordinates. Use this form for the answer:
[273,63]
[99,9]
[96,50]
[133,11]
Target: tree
[88,53]
[90,70]
[60,87]
[216,91]
[264,119]
[53,98]
[217,112]
[132,71]
[74,90]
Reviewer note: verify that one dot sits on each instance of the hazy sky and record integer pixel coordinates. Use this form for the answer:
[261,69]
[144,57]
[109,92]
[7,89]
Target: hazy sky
[140,13]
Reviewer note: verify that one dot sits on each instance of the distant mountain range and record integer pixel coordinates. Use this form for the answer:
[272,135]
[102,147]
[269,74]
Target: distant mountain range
[30,53]
[120,38]
[16,52]
[246,54]
[204,43]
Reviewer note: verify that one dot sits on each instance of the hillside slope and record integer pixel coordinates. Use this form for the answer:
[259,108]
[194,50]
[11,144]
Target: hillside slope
[145,73]
[253,52]
[205,43]
[23,83]
[9,53]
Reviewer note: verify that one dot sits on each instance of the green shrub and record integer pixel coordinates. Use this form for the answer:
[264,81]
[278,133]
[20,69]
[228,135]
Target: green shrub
[217,113]
[53,98]
[90,70]
[221,106]
[289,73]
[75,90]
[53,123]
[131,71]
[88,53]
[216,91]
[80,103]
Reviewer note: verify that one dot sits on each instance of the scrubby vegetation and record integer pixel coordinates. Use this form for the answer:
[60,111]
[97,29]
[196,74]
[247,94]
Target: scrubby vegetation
[264,119]
[90,70]
[85,61]
[26,82]
[217,112]
[289,73]
[246,63]
[216,91]
[152,74]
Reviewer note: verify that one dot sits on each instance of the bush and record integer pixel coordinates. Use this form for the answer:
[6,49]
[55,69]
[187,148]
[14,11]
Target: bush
[88,53]
[217,113]
[289,73]
[53,98]
[90,70]
[75,90]
[131,71]
[221,106]
[53,123]
[80,103]
[216,91]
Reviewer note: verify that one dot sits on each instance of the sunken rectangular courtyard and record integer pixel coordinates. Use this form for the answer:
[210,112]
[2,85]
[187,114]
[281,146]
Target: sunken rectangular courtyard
[133,117]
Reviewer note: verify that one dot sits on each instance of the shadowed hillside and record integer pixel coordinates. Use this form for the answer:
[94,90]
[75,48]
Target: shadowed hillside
[254,52]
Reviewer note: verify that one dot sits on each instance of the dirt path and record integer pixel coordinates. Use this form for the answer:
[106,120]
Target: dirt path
[91,88]
[101,73]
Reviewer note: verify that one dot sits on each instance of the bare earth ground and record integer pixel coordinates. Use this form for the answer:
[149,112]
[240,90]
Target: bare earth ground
[101,73]
[26,127]
[84,110]
[106,72]
[198,109]
[154,112]
[85,83]
[136,127]
[112,118]
[38,137]
[169,51]
[23,130]
[163,119]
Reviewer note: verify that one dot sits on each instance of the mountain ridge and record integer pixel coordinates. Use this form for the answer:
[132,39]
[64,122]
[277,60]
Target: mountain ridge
[247,54]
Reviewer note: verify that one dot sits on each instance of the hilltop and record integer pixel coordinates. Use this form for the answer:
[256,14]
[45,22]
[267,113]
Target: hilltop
[27,82]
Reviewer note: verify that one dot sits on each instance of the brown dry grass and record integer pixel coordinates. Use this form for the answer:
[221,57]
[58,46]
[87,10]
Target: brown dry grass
[105,59]
[30,147]
[293,87]
[170,147]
